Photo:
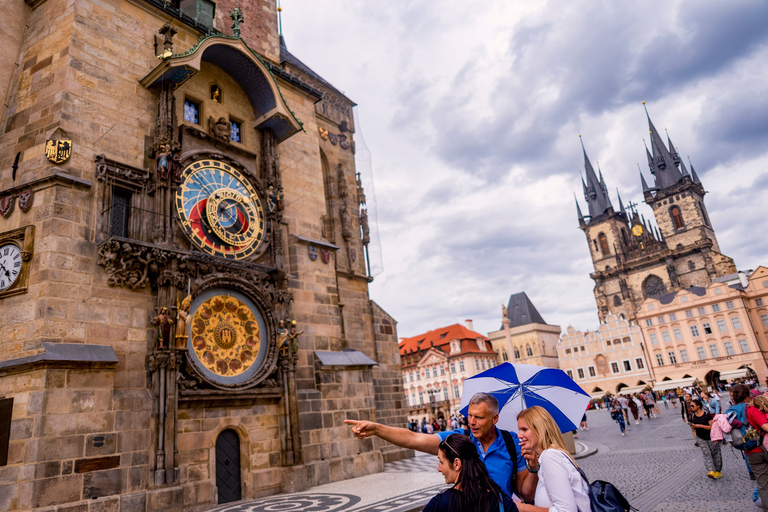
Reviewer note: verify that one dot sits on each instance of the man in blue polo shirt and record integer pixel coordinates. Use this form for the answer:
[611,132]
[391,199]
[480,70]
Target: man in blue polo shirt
[483,413]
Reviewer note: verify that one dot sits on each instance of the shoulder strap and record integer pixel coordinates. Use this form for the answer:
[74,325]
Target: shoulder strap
[512,449]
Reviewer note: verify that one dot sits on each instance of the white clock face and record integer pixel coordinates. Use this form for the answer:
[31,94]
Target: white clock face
[10,265]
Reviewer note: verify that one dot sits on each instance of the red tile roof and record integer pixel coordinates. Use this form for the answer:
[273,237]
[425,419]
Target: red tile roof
[440,338]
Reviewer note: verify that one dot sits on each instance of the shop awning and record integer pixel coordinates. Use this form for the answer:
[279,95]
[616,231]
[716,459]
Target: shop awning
[738,373]
[629,391]
[673,384]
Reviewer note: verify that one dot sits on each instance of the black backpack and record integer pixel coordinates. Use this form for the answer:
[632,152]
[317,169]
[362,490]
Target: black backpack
[512,449]
[603,496]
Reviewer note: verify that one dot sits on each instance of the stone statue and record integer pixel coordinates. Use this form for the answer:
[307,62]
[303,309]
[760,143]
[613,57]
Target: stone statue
[283,344]
[346,228]
[293,335]
[271,199]
[163,161]
[366,230]
[220,129]
[163,322]
[182,318]
[279,196]
[504,312]
[176,165]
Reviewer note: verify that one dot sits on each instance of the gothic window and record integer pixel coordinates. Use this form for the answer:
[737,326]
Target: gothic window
[192,111]
[603,244]
[653,287]
[234,130]
[616,300]
[528,351]
[504,355]
[624,236]
[517,353]
[677,217]
[120,210]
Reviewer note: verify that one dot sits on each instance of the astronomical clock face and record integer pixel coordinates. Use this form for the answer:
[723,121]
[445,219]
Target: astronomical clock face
[227,337]
[637,230]
[220,210]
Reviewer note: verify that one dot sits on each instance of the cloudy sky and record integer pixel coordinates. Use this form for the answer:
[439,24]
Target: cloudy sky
[471,112]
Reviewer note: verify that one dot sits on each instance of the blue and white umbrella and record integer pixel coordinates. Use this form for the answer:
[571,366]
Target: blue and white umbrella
[519,386]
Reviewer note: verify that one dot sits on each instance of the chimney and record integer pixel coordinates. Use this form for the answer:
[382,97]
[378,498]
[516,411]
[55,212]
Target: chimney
[469,324]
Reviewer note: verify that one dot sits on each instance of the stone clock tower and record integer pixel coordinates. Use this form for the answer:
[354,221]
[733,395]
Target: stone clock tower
[635,259]
[183,282]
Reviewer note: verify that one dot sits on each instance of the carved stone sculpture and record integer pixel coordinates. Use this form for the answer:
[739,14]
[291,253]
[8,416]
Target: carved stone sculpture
[182,318]
[219,128]
[163,162]
[346,224]
[163,322]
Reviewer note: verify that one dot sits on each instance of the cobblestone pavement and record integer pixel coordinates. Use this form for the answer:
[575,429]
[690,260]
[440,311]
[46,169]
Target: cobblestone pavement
[658,468]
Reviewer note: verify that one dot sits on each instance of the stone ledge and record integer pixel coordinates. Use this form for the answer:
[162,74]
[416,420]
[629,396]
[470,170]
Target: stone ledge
[63,355]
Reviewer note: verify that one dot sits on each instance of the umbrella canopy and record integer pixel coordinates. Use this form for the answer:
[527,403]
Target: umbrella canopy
[519,386]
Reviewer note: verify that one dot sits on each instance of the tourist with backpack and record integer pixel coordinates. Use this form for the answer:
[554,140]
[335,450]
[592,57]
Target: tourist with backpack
[749,425]
[701,425]
[561,486]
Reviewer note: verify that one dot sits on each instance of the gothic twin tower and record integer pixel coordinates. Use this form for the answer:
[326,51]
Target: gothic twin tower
[635,260]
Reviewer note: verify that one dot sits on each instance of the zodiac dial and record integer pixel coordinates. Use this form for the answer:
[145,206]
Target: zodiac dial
[225,337]
[220,210]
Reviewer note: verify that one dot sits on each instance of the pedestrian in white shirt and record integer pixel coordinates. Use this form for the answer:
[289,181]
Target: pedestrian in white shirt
[560,487]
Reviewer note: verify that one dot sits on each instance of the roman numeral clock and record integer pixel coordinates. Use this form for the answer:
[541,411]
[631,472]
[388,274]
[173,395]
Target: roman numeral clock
[15,256]
[220,210]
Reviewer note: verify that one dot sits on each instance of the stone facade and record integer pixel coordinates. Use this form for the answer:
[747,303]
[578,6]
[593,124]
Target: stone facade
[530,344]
[109,410]
[610,359]
[707,332]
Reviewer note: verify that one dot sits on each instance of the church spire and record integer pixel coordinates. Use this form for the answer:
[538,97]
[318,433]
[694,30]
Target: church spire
[595,190]
[642,179]
[621,205]
[662,165]
[578,208]
[694,176]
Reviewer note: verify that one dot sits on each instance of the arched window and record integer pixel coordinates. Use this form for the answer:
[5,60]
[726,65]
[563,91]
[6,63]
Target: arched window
[504,355]
[677,217]
[528,350]
[624,236]
[616,300]
[653,287]
[603,244]
[517,353]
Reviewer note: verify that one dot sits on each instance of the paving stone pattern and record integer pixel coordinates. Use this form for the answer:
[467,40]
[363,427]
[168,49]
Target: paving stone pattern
[658,468]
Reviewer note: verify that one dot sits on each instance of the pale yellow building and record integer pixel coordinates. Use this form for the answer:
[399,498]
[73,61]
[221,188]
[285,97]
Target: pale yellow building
[717,332]
[611,359]
[524,336]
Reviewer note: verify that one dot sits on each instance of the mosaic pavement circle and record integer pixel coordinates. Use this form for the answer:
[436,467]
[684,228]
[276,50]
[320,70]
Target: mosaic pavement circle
[296,503]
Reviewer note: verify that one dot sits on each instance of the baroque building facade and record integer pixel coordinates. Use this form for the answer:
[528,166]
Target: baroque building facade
[634,259]
[435,365]
[524,336]
[708,333]
[184,293]
[611,359]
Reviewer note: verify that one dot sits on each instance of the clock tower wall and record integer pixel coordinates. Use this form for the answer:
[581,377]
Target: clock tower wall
[604,238]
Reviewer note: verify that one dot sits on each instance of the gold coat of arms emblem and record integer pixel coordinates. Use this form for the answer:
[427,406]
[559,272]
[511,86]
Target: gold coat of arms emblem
[58,151]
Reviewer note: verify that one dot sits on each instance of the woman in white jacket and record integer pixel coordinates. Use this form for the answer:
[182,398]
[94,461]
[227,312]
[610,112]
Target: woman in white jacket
[561,487]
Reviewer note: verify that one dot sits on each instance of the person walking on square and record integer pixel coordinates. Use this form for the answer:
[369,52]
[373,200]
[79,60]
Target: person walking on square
[618,415]
[473,489]
[561,487]
[757,459]
[633,408]
[701,424]
[624,408]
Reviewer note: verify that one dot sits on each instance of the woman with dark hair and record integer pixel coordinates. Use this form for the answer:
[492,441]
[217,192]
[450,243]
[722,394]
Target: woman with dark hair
[473,489]
[757,459]
[701,424]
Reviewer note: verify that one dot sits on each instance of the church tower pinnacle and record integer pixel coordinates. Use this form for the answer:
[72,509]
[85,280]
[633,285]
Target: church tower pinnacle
[595,191]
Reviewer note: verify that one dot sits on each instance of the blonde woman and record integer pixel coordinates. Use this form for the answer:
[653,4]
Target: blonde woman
[560,488]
